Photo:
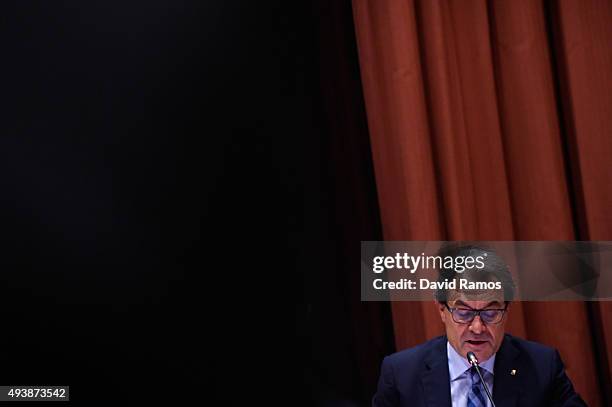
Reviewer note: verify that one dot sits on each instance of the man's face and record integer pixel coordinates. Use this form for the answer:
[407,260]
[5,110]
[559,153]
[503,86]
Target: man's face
[481,338]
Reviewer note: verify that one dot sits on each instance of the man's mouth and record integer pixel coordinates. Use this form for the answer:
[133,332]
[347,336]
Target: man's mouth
[476,343]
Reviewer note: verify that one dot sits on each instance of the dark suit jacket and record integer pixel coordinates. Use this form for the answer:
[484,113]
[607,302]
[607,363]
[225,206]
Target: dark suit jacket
[419,377]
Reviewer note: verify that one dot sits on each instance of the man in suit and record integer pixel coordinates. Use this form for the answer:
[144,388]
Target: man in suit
[438,374]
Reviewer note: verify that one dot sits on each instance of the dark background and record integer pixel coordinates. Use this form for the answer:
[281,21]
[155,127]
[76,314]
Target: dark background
[176,176]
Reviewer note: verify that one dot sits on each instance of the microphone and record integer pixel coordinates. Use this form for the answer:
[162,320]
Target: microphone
[474,362]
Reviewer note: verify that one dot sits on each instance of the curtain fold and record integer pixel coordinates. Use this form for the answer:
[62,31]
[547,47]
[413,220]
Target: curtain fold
[492,121]
[585,61]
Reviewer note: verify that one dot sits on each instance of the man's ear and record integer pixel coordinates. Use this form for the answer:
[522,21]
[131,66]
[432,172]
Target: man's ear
[440,307]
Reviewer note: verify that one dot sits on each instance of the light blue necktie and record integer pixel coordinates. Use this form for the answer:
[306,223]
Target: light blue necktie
[476,396]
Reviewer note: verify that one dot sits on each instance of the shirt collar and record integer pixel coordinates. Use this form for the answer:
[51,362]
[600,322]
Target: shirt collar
[457,365]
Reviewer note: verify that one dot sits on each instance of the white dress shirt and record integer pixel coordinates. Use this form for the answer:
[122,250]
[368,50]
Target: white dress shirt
[460,382]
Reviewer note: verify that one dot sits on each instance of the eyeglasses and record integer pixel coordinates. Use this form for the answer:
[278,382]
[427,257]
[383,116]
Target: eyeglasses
[467,315]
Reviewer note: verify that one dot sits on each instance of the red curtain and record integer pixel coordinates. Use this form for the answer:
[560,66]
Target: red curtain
[493,121]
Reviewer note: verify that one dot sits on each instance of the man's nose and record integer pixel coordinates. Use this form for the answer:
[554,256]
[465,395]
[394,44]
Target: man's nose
[477,326]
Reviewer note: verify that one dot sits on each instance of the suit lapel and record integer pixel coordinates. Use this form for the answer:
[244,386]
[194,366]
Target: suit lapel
[506,386]
[435,377]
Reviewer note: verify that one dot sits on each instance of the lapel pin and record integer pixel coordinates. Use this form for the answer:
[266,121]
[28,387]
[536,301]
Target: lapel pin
[513,372]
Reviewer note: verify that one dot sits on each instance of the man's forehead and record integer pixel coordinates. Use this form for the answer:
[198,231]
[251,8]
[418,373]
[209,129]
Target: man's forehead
[478,299]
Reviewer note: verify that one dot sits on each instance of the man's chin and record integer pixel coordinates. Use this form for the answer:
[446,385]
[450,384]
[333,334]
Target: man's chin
[482,350]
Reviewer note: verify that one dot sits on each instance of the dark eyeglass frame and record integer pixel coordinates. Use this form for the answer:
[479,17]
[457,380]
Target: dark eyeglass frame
[476,312]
